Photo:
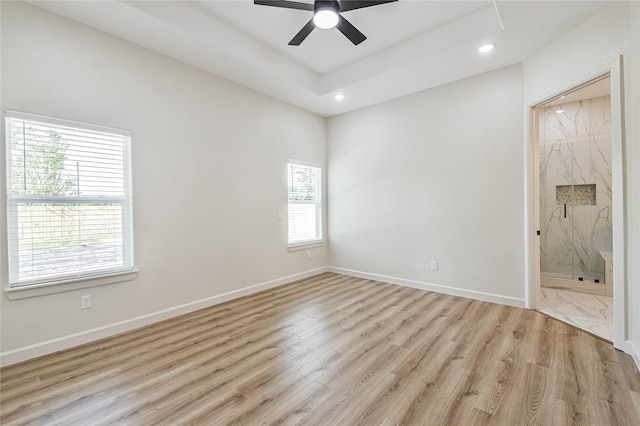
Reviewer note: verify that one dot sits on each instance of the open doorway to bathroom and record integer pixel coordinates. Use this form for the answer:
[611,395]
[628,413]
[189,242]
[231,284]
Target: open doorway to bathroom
[575,207]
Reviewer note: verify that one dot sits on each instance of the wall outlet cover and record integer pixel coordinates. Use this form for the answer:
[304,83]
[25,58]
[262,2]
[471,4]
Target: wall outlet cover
[85,301]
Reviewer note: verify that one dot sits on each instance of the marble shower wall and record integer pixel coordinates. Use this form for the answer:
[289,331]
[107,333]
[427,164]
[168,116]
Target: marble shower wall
[575,149]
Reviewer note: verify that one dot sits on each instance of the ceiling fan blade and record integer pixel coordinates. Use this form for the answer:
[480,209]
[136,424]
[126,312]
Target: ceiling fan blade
[350,31]
[346,5]
[284,3]
[302,34]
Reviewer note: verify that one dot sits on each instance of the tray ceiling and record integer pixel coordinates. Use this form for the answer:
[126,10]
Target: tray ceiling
[411,45]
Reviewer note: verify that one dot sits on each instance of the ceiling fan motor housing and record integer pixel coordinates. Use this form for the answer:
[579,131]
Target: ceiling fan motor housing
[332,5]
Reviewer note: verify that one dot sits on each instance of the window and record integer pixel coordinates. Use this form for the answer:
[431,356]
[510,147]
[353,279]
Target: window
[305,204]
[68,200]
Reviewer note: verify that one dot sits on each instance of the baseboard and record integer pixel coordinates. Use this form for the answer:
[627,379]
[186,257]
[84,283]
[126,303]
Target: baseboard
[66,342]
[634,351]
[453,291]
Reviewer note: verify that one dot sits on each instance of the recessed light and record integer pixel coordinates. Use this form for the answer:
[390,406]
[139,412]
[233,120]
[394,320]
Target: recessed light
[559,111]
[486,48]
[339,97]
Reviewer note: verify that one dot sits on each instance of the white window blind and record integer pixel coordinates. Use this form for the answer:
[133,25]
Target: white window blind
[305,203]
[68,199]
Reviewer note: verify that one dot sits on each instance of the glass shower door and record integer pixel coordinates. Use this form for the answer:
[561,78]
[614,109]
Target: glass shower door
[556,211]
[580,197]
[575,189]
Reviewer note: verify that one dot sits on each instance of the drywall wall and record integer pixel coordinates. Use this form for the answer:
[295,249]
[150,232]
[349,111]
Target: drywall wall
[589,50]
[209,175]
[433,176]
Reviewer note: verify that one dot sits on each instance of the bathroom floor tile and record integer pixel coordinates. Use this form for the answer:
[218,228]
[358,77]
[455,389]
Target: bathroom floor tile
[589,312]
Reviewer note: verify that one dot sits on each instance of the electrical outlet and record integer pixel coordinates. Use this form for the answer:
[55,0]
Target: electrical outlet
[308,255]
[85,301]
[434,265]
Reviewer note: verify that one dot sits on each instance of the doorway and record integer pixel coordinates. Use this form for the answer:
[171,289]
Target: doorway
[574,206]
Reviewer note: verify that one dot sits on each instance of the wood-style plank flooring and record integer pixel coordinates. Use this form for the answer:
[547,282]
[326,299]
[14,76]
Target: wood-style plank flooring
[333,350]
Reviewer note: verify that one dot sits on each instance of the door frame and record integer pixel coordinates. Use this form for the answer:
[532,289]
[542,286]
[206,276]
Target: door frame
[619,224]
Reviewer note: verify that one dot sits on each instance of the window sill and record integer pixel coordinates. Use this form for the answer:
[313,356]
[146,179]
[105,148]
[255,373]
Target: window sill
[305,246]
[35,290]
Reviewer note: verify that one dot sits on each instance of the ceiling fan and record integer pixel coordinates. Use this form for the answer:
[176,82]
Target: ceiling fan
[326,14]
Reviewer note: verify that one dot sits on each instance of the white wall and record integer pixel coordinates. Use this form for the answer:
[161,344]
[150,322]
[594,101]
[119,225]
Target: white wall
[433,176]
[209,173]
[583,53]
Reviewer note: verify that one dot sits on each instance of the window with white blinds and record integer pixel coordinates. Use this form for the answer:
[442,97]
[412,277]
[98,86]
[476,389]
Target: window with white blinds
[68,200]
[305,203]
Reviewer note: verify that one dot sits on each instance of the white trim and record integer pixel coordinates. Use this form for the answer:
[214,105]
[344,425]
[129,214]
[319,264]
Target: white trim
[305,163]
[618,206]
[634,351]
[66,342]
[453,291]
[66,123]
[531,218]
[53,287]
[306,245]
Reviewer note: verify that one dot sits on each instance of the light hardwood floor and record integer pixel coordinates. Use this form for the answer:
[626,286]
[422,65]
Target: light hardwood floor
[334,350]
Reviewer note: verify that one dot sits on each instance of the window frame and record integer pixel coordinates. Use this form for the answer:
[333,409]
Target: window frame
[39,285]
[318,203]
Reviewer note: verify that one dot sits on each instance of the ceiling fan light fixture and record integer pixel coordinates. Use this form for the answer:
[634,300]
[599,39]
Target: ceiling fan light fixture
[325,14]
[325,19]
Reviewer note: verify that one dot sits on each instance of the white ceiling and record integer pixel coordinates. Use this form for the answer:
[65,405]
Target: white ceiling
[411,45]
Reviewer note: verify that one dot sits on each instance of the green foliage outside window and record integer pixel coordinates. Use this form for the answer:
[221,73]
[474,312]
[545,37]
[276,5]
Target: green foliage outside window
[302,183]
[39,164]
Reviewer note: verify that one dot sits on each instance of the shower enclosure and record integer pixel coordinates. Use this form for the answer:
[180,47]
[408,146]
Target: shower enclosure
[575,190]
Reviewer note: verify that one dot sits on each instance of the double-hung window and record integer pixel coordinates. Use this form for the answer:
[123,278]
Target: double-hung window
[68,200]
[305,204]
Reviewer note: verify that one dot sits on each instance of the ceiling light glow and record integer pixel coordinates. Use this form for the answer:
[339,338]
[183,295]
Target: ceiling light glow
[325,19]
[486,48]
[339,97]
[559,111]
